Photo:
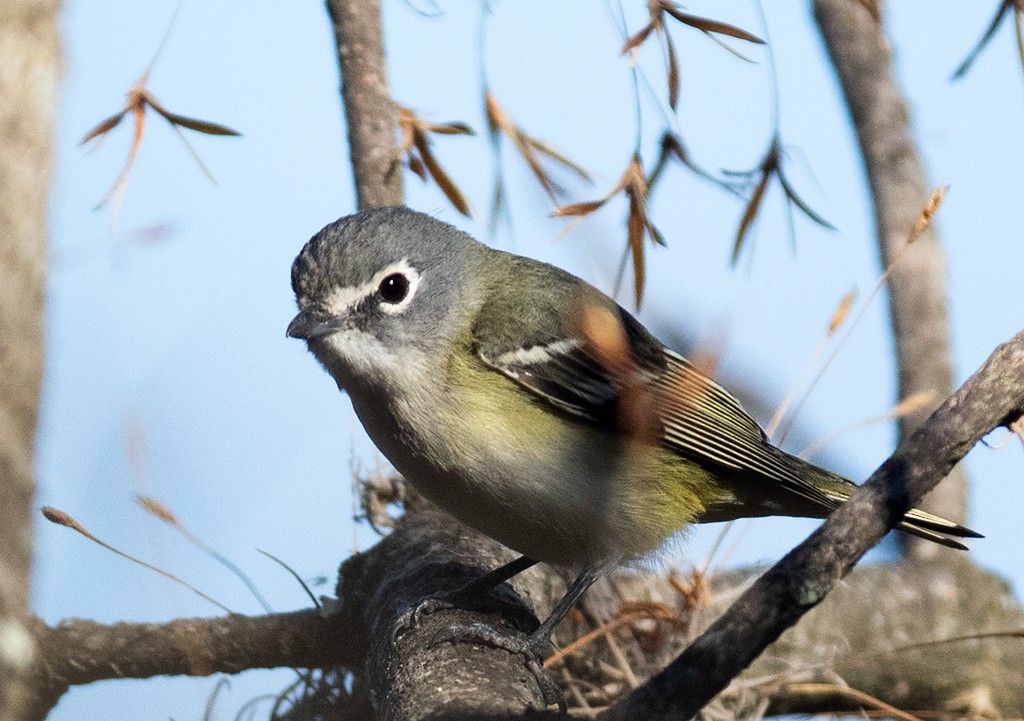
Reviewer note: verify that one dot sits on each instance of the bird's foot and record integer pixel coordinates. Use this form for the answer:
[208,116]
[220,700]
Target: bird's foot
[530,646]
[510,633]
[501,599]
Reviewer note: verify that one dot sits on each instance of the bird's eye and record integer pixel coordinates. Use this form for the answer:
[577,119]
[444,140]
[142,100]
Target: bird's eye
[394,288]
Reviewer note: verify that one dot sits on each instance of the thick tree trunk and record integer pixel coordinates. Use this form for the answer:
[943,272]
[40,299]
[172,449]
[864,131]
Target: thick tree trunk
[862,60]
[29,71]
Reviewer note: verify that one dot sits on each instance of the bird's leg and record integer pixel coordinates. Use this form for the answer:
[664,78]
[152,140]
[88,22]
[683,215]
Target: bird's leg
[532,647]
[539,639]
[473,593]
[536,643]
[495,577]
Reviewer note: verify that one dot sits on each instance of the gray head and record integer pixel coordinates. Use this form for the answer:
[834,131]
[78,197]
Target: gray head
[380,289]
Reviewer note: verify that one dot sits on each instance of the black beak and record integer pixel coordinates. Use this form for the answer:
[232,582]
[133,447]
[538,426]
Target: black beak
[313,323]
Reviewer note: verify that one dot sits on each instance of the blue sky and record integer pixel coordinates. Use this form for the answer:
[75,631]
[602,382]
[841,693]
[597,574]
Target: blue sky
[168,371]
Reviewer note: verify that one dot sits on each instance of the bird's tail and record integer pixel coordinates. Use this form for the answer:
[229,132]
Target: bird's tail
[915,523]
[935,528]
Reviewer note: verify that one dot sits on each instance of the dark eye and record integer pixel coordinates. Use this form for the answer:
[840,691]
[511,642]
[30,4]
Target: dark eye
[394,288]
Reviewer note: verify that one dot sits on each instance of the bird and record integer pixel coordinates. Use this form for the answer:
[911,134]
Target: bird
[534,408]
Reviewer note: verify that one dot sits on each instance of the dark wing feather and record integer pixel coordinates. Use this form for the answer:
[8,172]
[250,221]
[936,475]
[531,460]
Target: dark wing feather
[562,373]
[703,421]
[700,420]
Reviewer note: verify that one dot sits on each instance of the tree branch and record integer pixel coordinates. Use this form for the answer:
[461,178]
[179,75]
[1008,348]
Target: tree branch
[369,110]
[992,397]
[400,664]
[77,651]
[863,637]
[419,667]
[862,60]
[30,62]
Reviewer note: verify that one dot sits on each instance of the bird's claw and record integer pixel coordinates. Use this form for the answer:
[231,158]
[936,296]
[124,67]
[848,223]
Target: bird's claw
[531,647]
[498,600]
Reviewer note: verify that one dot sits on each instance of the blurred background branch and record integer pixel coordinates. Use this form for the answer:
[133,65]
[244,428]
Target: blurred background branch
[30,65]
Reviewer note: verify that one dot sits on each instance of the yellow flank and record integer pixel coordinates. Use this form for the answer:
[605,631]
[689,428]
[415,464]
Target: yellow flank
[677,492]
[495,408]
[651,491]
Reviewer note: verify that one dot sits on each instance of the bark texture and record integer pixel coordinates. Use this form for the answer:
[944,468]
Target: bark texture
[29,72]
[369,110]
[421,665]
[78,651]
[862,59]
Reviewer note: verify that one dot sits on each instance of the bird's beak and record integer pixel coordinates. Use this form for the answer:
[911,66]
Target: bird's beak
[314,323]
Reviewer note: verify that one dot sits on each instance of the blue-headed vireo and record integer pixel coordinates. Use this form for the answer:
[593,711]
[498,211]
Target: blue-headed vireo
[480,376]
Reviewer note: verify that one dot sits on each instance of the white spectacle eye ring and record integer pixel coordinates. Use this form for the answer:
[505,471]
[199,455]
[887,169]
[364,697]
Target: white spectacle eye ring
[396,286]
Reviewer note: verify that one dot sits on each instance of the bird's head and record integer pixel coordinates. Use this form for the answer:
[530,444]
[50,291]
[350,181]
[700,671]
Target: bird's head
[380,291]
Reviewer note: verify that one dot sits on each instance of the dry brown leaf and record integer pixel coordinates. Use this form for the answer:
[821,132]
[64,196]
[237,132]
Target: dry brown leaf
[673,73]
[445,183]
[500,123]
[657,10]
[104,127]
[450,129]
[634,185]
[672,147]
[200,126]
[638,39]
[558,157]
[137,101]
[416,166]
[798,201]
[769,167]
[709,26]
[585,208]
[635,238]
[749,213]
[420,158]
[497,118]
[526,150]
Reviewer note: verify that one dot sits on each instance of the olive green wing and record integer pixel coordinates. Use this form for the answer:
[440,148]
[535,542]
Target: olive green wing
[698,418]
